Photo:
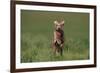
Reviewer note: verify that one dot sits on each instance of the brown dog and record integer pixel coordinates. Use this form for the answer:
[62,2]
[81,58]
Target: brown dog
[58,41]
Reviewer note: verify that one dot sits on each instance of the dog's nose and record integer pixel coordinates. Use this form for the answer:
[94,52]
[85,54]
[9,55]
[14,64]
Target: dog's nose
[58,28]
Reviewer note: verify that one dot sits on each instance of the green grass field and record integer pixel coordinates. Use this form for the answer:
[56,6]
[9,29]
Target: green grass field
[37,33]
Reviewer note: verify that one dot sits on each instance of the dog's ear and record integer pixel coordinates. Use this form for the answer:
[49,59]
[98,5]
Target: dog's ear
[63,22]
[55,22]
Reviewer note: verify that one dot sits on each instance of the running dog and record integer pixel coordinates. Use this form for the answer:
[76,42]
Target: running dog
[58,41]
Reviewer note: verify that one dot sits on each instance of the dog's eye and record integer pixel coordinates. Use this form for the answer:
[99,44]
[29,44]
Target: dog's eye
[57,25]
[62,24]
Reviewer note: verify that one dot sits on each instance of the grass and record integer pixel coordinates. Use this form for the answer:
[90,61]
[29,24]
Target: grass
[37,33]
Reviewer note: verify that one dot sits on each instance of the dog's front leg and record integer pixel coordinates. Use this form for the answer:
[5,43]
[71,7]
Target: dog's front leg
[61,49]
[54,48]
[54,43]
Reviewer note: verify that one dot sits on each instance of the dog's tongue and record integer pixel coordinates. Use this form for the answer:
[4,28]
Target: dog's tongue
[58,34]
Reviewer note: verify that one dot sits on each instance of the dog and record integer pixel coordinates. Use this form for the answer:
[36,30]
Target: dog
[58,40]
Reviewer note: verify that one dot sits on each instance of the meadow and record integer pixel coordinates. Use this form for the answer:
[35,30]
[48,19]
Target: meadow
[37,29]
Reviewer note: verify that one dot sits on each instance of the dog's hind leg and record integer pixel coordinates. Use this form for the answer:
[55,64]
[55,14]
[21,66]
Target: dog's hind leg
[60,51]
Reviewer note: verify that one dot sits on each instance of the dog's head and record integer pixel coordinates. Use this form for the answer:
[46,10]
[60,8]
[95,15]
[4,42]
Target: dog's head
[59,24]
